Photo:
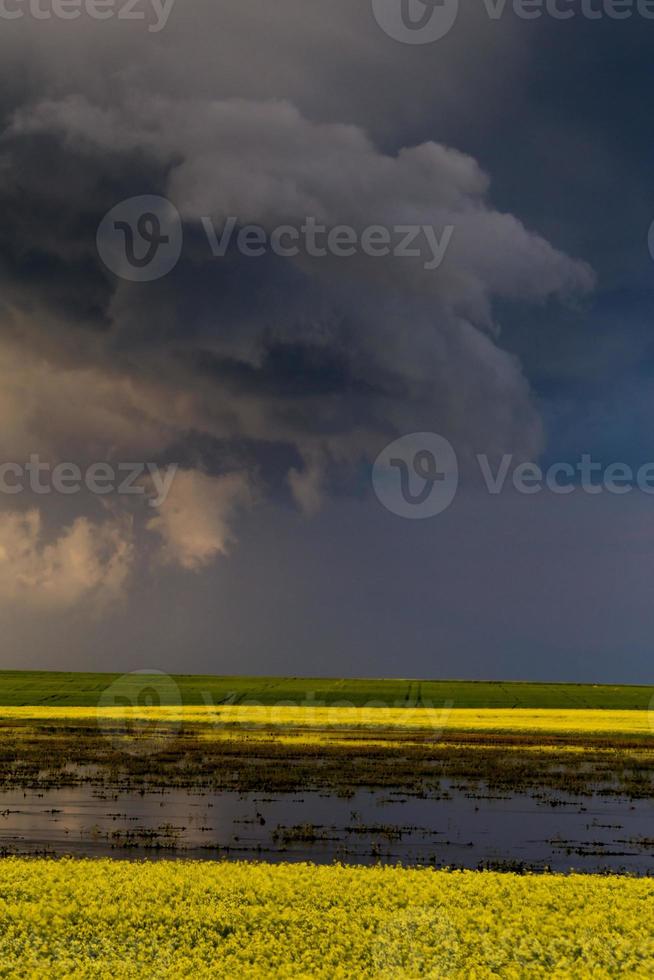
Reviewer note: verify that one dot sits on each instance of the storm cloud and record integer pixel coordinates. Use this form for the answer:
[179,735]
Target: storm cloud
[274,381]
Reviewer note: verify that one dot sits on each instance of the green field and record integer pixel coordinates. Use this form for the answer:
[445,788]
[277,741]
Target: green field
[84,690]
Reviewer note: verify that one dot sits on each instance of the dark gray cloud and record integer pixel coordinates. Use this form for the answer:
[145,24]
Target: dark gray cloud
[267,348]
[279,380]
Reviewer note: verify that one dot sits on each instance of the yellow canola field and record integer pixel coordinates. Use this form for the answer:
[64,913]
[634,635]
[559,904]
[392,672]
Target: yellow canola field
[435,720]
[115,919]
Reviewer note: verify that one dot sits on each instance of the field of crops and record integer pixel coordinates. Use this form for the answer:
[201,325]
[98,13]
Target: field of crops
[85,689]
[170,920]
[138,740]
[319,723]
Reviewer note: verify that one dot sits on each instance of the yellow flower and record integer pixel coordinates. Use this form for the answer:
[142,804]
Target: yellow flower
[115,919]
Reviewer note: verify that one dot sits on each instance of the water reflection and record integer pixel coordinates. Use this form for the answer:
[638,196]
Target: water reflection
[457,828]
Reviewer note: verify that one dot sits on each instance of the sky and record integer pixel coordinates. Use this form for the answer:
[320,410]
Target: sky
[340,330]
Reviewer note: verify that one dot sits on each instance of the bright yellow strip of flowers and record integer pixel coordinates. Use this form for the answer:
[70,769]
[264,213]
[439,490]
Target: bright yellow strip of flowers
[114,919]
[436,719]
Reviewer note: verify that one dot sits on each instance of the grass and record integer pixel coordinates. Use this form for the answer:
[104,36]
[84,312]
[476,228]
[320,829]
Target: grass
[111,919]
[56,688]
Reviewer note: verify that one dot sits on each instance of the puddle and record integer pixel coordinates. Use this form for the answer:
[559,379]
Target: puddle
[458,829]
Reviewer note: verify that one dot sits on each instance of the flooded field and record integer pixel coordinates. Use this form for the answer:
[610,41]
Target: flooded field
[560,790]
[458,828]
